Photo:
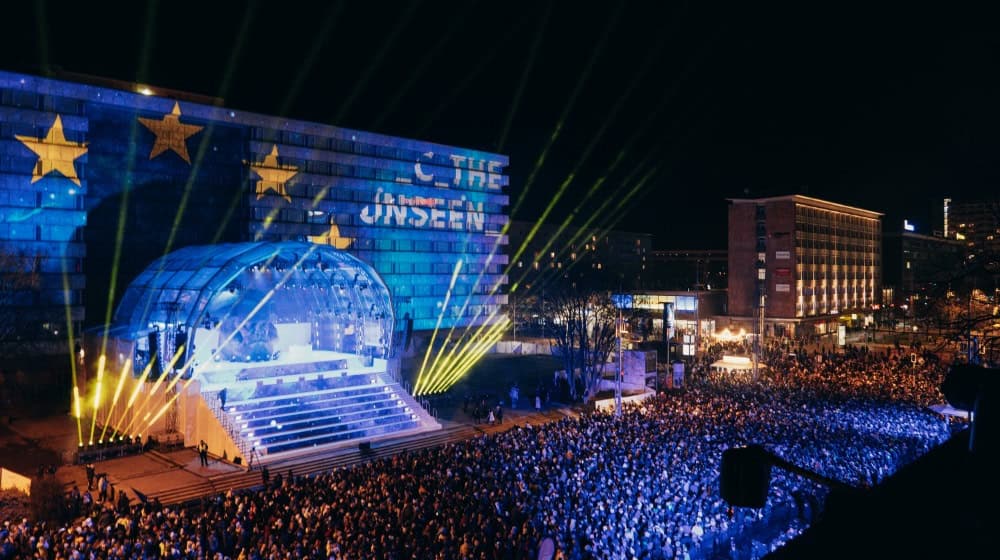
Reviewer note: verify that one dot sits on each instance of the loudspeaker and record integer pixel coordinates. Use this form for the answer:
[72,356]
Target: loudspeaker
[745,476]
[180,340]
[364,446]
[154,353]
[408,333]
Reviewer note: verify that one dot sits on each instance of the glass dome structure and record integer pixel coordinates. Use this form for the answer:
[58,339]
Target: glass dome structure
[249,294]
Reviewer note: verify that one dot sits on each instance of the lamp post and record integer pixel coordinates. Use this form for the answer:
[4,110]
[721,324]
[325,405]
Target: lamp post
[618,381]
[513,312]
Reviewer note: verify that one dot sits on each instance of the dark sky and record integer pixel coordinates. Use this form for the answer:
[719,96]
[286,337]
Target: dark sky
[889,109]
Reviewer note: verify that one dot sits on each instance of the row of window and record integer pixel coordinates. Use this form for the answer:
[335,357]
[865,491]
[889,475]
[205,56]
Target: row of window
[836,228]
[851,290]
[836,262]
[34,298]
[439,290]
[39,232]
[292,138]
[833,307]
[822,277]
[38,199]
[841,243]
[23,99]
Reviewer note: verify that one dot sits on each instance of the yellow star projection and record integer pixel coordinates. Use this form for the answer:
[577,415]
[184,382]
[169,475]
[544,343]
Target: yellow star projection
[54,152]
[171,133]
[332,237]
[272,175]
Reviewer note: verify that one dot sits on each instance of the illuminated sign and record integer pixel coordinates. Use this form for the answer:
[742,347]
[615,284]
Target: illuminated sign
[908,226]
[782,255]
[419,212]
[467,171]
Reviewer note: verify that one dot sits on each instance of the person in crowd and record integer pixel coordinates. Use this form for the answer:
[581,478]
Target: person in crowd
[644,485]
[203,453]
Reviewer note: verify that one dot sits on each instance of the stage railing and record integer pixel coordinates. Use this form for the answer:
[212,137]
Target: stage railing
[228,424]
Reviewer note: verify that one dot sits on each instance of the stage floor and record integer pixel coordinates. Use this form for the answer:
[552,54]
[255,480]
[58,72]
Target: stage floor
[216,375]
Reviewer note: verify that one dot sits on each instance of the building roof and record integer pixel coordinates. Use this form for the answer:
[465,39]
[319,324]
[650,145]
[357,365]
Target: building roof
[808,200]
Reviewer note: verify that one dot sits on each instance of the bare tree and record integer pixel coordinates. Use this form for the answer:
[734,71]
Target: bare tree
[585,334]
[963,303]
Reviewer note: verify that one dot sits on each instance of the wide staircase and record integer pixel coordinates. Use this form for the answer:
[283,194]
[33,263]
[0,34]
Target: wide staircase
[282,412]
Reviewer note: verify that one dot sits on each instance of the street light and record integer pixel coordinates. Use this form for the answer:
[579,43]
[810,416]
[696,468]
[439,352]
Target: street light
[618,383]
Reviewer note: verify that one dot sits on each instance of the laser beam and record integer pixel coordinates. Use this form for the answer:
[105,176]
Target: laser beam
[97,396]
[444,308]
[126,367]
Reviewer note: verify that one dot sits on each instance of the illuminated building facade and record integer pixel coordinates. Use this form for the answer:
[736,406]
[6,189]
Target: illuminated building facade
[916,264]
[976,223]
[687,315]
[810,259]
[78,160]
[597,257]
[682,269]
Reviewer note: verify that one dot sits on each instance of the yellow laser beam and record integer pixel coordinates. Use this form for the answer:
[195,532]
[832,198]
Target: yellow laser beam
[456,348]
[461,312]
[126,367]
[248,15]
[148,34]
[256,309]
[97,395]
[484,324]
[584,230]
[469,356]
[459,350]
[470,361]
[135,393]
[77,413]
[444,309]
[418,70]
[387,42]
[156,385]
[567,108]
[464,361]
[528,66]
[469,75]
[165,406]
[617,212]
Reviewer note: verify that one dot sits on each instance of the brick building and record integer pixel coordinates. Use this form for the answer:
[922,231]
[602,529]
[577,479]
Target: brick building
[809,260]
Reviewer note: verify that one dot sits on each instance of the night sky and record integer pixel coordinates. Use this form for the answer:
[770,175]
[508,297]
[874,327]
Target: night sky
[890,109]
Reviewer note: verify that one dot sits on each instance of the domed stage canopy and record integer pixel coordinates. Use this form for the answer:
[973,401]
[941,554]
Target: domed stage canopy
[283,283]
[276,347]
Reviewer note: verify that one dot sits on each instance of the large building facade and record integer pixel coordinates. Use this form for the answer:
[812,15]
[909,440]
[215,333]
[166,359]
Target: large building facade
[684,269]
[806,260]
[917,266]
[549,255]
[976,223]
[96,182]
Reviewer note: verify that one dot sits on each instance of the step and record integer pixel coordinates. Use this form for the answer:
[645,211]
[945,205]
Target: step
[305,416]
[292,390]
[375,392]
[325,424]
[403,422]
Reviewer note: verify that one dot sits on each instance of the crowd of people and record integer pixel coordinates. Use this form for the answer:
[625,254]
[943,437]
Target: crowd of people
[644,485]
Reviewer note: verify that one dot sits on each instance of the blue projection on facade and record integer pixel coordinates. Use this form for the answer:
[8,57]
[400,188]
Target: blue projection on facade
[75,157]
